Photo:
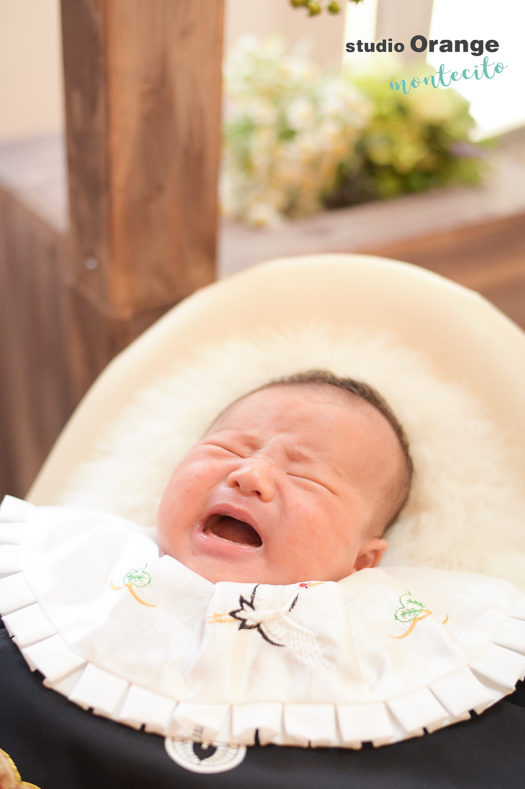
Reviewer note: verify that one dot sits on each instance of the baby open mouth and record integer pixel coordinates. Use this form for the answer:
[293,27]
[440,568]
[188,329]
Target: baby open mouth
[232,529]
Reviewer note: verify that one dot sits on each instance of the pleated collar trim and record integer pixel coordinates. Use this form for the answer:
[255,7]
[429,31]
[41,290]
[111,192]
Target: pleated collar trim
[381,656]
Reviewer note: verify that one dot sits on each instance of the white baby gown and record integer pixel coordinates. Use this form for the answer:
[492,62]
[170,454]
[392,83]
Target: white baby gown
[380,656]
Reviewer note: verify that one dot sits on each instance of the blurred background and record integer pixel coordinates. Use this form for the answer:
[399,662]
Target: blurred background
[148,147]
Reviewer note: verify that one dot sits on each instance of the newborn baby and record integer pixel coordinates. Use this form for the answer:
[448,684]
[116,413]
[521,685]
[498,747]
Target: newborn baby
[295,481]
[292,483]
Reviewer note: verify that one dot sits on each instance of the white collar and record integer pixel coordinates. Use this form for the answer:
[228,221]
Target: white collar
[139,638]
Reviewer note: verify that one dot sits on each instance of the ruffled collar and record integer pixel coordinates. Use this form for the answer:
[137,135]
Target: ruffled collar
[380,656]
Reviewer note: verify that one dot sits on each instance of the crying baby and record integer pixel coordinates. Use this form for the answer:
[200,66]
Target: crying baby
[295,481]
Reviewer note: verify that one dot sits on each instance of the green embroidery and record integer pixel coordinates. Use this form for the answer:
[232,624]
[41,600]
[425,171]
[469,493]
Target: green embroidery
[138,578]
[410,609]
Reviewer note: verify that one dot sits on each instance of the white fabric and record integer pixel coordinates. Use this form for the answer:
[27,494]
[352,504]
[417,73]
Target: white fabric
[378,656]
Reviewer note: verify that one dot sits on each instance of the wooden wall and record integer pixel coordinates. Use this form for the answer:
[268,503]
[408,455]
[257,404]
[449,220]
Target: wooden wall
[488,258]
[143,98]
[36,388]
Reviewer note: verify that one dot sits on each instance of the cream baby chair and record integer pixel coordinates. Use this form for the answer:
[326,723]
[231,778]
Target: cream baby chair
[465,338]
[453,368]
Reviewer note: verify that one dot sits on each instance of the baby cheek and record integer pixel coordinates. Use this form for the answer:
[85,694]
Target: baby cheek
[308,528]
[176,491]
[176,515]
[311,508]
[186,493]
[188,476]
[329,532]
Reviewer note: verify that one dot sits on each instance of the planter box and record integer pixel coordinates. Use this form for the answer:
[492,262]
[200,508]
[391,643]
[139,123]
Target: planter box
[473,235]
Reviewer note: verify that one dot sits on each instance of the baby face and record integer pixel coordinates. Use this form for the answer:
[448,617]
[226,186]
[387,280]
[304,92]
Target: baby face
[284,487]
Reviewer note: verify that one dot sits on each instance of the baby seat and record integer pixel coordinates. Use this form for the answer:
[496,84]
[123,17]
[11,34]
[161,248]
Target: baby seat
[452,367]
[462,336]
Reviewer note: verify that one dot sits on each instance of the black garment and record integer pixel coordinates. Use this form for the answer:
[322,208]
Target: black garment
[57,745]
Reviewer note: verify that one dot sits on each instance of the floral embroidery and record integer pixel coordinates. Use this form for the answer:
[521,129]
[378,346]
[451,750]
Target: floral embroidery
[222,617]
[136,578]
[412,611]
[275,625]
[9,775]
[250,617]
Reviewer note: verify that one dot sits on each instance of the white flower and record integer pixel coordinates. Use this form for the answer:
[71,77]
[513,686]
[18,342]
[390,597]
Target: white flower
[308,146]
[262,214]
[228,194]
[299,70]
[272,47]
[300,113]
[333,98]
[288,128]
[262,111]
[287,173]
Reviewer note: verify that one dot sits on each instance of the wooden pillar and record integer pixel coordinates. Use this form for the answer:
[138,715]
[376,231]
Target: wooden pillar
[143,98]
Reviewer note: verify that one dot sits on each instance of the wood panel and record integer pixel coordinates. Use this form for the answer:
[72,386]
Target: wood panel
[489,258]
[473,235]
[54,342]
[142,81]
[35,395]
[143,104]
[96,335]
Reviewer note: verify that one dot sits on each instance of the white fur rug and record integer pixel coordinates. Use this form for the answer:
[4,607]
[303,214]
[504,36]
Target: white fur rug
[467,507]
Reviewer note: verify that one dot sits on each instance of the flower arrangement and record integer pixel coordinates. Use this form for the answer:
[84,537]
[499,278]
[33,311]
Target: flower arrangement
[410,143]
[296,139]
[287,130]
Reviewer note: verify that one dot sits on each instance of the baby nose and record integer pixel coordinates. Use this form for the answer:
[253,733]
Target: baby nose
[253,476]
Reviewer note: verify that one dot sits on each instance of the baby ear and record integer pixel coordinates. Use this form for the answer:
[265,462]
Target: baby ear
[370,553]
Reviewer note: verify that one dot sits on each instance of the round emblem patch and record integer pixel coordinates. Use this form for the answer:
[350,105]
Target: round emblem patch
[204,758]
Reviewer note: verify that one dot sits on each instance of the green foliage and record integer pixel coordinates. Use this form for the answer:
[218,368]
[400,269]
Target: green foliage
[287,129]
[411,143]
[296,139]
[315,8]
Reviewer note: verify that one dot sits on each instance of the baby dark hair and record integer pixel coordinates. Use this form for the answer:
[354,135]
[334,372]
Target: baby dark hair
[370,395]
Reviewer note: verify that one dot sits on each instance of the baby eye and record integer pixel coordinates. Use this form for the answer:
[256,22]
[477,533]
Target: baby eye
[318,483]
[224,447]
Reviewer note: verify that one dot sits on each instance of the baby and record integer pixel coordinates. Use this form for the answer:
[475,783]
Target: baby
[295,481]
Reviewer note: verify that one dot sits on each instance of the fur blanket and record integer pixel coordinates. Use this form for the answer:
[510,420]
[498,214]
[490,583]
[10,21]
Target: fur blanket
[467,506]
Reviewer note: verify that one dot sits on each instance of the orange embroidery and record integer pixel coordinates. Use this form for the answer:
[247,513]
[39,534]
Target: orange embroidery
[412,611]
[425,613]
[220,617]
[135,578]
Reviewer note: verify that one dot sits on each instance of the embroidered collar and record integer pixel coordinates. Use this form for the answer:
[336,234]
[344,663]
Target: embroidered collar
[139,638]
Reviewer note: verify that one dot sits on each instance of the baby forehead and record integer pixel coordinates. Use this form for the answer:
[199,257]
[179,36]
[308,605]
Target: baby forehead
[291,407]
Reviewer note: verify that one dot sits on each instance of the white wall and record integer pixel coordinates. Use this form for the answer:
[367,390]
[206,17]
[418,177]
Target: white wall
[324,34]
[498,104]
[30,68]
